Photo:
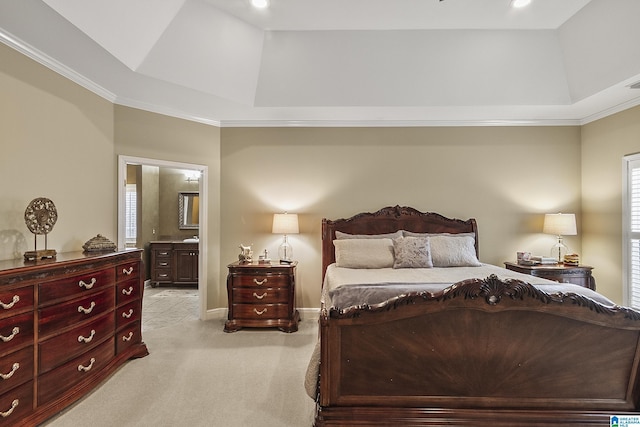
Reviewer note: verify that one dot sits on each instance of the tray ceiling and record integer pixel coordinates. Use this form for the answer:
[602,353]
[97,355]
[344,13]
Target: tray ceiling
[342,62]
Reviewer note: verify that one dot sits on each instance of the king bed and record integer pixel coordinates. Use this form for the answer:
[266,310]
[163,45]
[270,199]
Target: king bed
[415,330]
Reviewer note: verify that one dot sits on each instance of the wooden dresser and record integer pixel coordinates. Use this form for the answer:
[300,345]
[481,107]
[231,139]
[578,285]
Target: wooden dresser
[262,295]
[65,326]
[174,263]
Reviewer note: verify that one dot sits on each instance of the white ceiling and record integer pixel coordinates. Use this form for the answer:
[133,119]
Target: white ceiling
[342,62]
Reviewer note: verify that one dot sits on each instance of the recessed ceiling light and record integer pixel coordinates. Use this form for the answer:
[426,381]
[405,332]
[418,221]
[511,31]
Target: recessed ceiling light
[260,4]
[520,3]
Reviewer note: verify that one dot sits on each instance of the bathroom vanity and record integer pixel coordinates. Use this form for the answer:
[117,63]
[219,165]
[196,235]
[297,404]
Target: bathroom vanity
[174,262]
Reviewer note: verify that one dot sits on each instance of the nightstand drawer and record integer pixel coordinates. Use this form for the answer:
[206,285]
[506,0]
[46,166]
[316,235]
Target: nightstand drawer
[260,311]
[261,295]
[263,280]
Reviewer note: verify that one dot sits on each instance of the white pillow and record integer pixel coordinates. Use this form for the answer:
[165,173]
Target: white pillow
[453,251]
[364,253]
[412,252]
[340,235]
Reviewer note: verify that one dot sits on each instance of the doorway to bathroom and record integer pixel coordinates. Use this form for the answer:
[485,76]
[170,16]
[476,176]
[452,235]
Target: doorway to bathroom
[162,210]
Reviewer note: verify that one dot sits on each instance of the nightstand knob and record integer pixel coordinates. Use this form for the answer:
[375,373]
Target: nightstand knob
[260,282]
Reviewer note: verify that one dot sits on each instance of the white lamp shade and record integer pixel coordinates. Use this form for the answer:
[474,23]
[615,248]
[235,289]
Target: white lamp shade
[285,224]
[560,224]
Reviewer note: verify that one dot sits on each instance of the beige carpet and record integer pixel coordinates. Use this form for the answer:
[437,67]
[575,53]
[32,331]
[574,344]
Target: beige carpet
[197,375]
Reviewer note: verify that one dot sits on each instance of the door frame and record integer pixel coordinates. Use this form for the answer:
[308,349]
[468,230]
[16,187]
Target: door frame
[123,161]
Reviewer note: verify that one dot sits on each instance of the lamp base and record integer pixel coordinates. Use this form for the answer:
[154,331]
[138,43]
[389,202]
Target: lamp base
[558,251]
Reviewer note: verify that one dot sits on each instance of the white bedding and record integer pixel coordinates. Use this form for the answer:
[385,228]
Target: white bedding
[443,277]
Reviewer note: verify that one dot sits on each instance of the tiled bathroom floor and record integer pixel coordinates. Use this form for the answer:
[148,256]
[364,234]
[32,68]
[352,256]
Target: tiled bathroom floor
[166,306]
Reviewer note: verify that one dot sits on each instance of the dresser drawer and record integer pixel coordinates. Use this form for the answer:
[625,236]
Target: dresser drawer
[127,291]
[16,404]
[75,286]
[261,295]
[52,319]
[15,300]
[60,348]
[260,311]
[54,383]
[128,271]
[128,313]
[16,368]
[15,332]
[261,280]
[128,336]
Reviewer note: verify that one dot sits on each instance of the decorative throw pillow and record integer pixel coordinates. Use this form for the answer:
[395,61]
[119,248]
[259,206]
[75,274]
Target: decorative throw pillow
[412,252]
[341,236]
[453,251]
[364,253]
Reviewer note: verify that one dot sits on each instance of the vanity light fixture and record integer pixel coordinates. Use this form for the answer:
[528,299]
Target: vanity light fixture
[285,224]
[192,175]
[520,3]
[260,4]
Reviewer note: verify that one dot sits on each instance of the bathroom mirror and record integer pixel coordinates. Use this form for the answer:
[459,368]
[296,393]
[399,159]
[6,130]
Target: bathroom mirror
[188,210]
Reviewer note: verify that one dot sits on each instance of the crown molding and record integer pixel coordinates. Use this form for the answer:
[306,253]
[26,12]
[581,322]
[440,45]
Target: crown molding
[611,110]
[396,123]
[54,65]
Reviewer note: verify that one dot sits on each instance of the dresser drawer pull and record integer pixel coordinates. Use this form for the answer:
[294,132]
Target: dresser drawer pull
[261,312]
[81,309]
[128,315]
[88,367]
[127,291]
[163,253]
[163,275]
[15,331]
[127,272]
[260,282]
[163,264]
[259,296]
[13,302]
[14,404]
[87,339]
[127,337]
[82,284]
[8,375]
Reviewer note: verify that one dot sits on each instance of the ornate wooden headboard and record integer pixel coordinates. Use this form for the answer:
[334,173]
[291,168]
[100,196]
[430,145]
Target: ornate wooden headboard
[388,220]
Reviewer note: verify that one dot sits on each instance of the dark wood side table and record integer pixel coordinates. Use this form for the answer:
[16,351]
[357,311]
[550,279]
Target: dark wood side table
[262,296]
[576,274]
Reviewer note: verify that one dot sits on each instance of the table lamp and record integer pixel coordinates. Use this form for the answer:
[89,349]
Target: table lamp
[561,225]
[285,224]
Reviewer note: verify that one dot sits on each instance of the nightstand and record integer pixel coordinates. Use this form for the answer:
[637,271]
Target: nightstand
[262,296]
[576,274]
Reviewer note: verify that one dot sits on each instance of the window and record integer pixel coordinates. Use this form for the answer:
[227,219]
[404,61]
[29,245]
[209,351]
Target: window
[131,217]
[631,230]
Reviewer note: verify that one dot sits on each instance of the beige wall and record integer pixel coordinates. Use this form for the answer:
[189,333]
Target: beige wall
[148,135]
[604,143]
[56,142]
[61,141]
[505,177]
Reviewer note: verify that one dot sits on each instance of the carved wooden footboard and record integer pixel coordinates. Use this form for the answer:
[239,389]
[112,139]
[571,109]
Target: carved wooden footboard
[482,352]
